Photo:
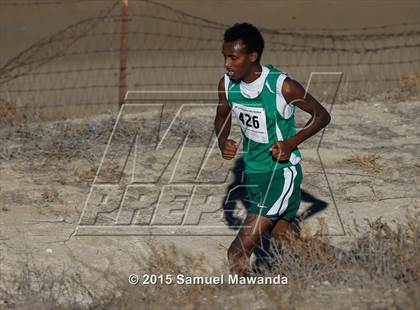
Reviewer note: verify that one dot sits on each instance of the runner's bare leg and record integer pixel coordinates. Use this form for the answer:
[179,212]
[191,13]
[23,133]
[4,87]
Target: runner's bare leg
[284,232]
[249,235]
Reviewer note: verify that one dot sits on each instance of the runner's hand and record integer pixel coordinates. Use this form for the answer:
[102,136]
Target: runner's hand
[281,150]
[229,149]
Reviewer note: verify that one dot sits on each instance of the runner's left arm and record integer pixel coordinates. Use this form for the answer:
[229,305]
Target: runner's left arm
[295,94]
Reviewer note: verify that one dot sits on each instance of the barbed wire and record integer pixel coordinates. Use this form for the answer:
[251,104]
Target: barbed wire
[414,61]
[46,2]
[168,48]
[179,12]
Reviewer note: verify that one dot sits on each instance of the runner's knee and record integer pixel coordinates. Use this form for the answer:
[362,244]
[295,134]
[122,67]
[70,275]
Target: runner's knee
[285,231]
[239,249]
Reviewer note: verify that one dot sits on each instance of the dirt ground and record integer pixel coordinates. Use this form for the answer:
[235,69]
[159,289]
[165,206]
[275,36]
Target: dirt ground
[369,153]
[59,198]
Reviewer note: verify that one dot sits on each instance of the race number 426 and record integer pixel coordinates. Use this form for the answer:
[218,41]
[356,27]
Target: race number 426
[252,122]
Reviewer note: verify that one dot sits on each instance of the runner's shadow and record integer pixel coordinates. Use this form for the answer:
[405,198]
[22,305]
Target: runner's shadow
[236,193]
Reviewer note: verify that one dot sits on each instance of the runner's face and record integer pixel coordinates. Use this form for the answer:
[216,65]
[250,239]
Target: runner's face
[237,61]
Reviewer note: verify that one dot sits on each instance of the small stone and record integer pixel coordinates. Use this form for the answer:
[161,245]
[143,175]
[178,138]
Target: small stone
[49,250]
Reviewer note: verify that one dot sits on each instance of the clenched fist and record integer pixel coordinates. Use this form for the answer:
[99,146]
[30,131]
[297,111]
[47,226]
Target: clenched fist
[281,150]
[229,149]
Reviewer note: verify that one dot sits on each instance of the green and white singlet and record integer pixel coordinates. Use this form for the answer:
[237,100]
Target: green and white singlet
[273,188]
[264,118]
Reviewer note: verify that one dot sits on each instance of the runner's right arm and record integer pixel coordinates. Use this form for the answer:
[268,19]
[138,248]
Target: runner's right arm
[222,124]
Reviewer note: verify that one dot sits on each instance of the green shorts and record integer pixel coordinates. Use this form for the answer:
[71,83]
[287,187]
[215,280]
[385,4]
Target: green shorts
[275,194]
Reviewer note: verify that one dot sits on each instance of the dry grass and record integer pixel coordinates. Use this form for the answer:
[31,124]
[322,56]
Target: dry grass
[410,83]
[10,115]
[37,287]
[367,162]
[55,141]
[381,270]
[50,194]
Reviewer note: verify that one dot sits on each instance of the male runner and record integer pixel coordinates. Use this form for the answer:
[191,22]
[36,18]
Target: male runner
[263,100]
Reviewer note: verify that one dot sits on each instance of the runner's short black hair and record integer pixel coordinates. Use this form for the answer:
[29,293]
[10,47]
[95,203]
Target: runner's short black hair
[250,36]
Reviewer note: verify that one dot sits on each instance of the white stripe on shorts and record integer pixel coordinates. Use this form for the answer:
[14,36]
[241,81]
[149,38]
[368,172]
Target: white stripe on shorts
[283,201]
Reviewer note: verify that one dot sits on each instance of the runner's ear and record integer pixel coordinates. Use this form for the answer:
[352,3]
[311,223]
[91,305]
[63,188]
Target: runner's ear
[253,56]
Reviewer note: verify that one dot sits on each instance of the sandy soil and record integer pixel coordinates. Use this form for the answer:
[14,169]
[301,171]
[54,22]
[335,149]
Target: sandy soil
[47,170]
[369,152]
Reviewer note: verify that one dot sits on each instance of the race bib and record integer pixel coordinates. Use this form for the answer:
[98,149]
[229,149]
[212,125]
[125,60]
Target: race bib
[252,122]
